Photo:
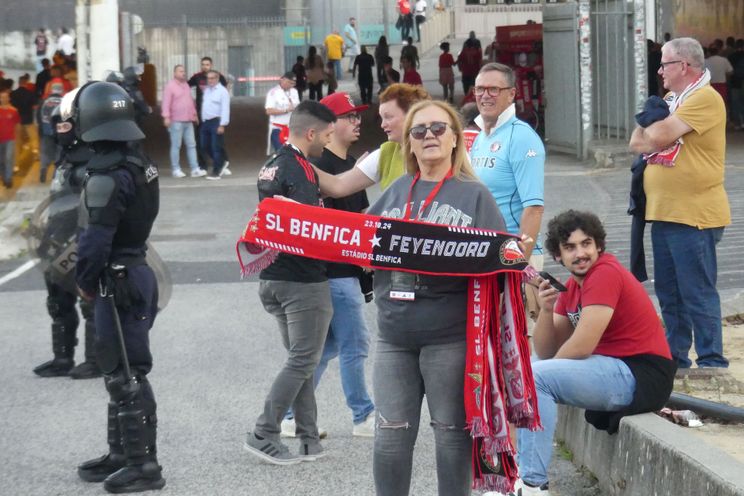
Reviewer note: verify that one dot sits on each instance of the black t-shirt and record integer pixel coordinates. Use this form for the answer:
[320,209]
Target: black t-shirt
[333,164]
[364,62]
[42,79]
[287,174]
[394,76]
[23,100]
[737,62]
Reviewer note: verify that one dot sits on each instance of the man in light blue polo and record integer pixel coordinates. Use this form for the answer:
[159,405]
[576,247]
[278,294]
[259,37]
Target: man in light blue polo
[509,158]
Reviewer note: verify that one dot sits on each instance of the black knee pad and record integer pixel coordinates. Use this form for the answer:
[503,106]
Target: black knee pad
[120,388]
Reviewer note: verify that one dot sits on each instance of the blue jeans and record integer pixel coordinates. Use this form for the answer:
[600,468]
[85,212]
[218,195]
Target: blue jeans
[685,272]
[212,144]
[736,95]
[348,339]
[402,375]
[182,132]
[337,69]
[595,383]
[276,144]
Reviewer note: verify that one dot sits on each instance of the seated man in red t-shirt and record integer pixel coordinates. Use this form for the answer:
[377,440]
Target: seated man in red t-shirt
[601,345]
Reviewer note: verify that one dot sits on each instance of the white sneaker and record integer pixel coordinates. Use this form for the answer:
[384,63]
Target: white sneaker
[289,429]
[214,178]
[178,173]
[198,173]
[366,428]
[522,489]
[225,171]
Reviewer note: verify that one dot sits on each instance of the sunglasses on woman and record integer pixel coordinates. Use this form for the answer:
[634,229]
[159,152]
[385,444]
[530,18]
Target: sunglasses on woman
[419,132]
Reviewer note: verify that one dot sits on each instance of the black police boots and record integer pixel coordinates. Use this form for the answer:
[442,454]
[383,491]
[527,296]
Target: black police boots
[63,346]
[138,425]
[89,369]
[98,469]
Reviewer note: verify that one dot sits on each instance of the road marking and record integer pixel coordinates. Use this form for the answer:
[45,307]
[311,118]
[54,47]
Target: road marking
[20,270]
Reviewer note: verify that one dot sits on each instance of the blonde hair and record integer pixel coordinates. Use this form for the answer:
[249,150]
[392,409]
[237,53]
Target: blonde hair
[461,168]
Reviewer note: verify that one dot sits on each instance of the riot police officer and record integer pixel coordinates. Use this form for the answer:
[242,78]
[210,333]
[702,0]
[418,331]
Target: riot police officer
[121,198]
[130,81]
[57,240]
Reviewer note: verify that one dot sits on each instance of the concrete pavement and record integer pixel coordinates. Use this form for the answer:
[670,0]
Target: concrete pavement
[216,352]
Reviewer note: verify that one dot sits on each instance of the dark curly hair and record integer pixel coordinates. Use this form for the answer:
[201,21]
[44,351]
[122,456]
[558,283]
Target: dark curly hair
[564,224]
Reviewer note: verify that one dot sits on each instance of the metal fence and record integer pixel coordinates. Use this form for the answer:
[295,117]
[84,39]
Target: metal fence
[247,51]
[253,52]
[613,68]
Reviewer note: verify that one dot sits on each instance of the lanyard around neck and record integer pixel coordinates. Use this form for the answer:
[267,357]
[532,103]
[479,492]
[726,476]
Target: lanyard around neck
[429,198]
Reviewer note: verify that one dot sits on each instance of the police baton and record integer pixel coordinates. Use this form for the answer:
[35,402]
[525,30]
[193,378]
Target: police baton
[109,295]
[120,335]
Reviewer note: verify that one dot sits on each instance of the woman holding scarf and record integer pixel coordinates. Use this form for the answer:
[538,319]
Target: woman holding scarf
[421,347]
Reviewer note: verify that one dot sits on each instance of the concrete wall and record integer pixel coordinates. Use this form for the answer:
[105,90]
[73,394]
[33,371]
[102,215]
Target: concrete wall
[649,456]
[705,20]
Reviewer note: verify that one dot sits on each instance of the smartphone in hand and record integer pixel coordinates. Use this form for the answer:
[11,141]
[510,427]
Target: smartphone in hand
[553,281]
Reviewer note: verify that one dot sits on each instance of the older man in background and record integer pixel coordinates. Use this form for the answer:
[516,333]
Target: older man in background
[687,203]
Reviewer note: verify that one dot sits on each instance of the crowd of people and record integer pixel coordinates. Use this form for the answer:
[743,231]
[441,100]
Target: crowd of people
[597,341]
[323,67]
[23,135]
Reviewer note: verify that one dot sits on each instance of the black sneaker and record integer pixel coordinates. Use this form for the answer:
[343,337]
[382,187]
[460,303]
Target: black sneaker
[270,451]
[98,469]
[59,367]
[86,370]
[135,478]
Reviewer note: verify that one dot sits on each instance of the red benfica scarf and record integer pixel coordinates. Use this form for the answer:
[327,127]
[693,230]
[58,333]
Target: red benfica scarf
[498,377]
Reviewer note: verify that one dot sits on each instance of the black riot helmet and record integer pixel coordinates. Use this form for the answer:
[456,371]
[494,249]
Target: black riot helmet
[131,78]
[105,112]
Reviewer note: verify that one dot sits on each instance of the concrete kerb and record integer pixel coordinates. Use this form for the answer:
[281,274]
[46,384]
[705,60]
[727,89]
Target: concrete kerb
[649,456]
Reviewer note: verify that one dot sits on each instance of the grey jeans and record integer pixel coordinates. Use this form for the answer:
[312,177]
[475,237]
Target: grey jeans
[7,160]
[402,375]
[303,311]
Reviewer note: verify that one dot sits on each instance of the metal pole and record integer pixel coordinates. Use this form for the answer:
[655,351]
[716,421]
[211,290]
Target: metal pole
[185,33]
[385,20]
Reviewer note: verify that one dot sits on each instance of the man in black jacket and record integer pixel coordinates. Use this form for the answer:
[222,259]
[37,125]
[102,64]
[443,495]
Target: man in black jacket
[295,290]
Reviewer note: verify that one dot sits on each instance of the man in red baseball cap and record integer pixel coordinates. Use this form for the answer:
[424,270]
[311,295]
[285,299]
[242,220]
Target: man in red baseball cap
[348,336]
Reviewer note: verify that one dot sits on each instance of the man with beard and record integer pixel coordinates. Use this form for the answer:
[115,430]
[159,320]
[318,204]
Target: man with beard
[600,343]
[348,336]
[295,291]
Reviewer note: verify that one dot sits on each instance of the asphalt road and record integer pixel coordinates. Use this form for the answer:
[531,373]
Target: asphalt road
[216,352]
